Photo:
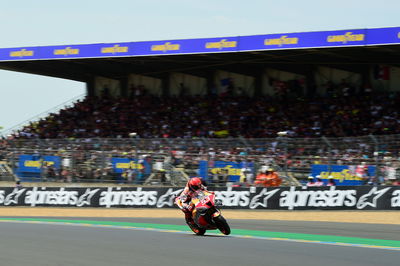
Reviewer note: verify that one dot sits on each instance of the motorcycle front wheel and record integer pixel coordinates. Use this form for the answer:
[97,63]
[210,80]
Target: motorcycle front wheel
[198,231]
[222,225]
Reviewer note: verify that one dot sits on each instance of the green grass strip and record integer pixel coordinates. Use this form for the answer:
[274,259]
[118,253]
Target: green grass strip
[238,232]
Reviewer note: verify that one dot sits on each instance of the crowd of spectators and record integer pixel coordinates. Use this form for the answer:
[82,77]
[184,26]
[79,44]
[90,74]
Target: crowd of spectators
[197,120]
[239,116]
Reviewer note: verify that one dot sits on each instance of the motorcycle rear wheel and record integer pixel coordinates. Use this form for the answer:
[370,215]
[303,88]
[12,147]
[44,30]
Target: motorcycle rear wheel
[222,225]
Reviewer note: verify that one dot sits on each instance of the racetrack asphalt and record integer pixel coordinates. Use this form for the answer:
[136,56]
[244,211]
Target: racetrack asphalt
[377,231]
[58,244]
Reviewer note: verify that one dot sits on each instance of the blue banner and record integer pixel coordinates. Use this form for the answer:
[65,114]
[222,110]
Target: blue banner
[344,175]
[383,36]
[234,169]
[119,165]
[355,37]
[35,163]
[210,45]
[303,40]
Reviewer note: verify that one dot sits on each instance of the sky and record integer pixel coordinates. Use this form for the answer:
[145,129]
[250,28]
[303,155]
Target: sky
[47,22]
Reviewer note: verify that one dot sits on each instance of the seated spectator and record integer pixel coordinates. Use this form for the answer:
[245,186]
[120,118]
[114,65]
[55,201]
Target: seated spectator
[331,181]
[319,182]
[18,184]
[310,182]
[396,182]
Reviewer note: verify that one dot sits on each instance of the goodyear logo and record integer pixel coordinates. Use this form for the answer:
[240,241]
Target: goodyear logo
[114,49]
[66,51]
[21,53]
[37,164]
[345,38]
[398,35]
[341,176]
[166,47]
[130,165]
[283,40]
[231,170]
[221,44]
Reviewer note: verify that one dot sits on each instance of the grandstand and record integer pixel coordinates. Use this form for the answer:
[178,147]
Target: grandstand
[331,88]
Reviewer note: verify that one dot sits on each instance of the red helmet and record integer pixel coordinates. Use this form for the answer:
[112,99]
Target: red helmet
[194,183]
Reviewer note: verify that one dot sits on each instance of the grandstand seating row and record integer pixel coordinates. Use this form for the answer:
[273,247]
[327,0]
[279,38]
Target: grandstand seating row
[211,117]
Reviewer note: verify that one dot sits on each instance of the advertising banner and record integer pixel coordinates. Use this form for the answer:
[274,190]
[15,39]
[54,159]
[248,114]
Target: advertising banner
[209,45]
[26,53]
[119,165]
[303,40]
[232,169]
[189,46]
[319,39]
[383,36]
[344,175]
[283,198]
[35,163]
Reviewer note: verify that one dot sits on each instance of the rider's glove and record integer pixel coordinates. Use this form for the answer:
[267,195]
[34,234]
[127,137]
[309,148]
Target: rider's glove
[184,198]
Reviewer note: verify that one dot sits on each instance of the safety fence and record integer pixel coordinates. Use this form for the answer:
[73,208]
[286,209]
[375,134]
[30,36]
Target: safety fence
[285,198]
[171,161]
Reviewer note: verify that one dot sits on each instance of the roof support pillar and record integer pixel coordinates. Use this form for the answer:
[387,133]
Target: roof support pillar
[258,82]
[211,89]
[365,78]
[166,86]
[311,85]
[124,87]
[90,88]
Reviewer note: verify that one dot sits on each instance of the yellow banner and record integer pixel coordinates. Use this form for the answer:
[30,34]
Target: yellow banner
[130,165]
[66,51]
[345,174]
[114,49]
[166,47]
[37,164]
[231,171]
[347,37]
[221,44]
[21,53]
[283,40]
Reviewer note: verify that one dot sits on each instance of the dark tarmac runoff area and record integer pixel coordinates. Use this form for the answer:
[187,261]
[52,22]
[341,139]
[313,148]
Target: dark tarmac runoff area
[40,244]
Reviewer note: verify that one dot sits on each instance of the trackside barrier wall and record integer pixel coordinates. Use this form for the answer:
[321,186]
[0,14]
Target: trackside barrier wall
[284,198]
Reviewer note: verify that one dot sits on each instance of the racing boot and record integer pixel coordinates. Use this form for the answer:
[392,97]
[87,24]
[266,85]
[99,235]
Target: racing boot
[193,226]
[189,219]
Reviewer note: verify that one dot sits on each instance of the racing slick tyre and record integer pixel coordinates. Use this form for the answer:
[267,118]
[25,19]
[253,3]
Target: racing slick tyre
[222,225]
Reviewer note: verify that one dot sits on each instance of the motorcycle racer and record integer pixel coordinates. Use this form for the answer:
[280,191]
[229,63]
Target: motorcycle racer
[193,186]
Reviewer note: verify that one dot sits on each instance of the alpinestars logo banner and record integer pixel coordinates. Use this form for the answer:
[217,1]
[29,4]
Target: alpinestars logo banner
[289,198]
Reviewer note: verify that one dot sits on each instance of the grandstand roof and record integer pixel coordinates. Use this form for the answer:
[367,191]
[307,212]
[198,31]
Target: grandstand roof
[294,52]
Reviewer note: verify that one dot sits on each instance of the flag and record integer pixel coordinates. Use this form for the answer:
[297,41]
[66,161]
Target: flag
[226,87]
[225,82]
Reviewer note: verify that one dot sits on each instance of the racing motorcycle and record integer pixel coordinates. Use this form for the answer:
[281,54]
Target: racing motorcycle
[205,214]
